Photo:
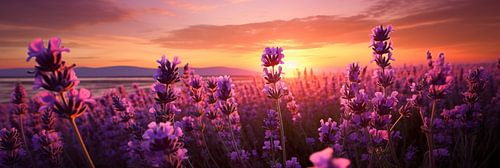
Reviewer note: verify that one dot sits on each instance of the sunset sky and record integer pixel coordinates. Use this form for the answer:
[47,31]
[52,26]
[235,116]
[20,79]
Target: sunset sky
[320,34]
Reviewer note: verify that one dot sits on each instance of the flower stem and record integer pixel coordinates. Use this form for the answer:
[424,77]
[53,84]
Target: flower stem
[82,144]
[395,123]
[21,125]
[430,137]
[282,130]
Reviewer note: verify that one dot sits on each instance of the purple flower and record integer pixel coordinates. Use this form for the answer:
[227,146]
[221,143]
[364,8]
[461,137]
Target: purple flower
[47,59]
[271,122]
[273,76]
[10,147]
[328,131]
[167,72]
[72,105]
[272,56]
[50,147]
[383,105]
[57,81]
[164,94]
[380,33]
[384,78]
[18,95]
[188,123]
[353,72]
[279,90]
[439,78]
[164,113]
[325,159]
[224,88]
[292,163]
[196,82]
[410,153]
[360,103]
[162,142]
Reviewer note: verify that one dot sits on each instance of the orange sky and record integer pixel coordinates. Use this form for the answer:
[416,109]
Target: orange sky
[319,34]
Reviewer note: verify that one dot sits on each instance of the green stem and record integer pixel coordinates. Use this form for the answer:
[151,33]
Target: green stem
[282,130]
[82,144]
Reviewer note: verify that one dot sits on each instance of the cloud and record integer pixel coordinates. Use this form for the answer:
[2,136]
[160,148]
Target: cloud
[60,14]
[306,32]
[466,26]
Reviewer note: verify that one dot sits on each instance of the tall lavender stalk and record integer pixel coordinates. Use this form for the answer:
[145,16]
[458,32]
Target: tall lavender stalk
[166,76]
[52,74]
[439,81]
[18,99]
[274,88]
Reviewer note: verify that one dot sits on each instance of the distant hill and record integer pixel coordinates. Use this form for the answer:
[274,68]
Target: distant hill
[130,71]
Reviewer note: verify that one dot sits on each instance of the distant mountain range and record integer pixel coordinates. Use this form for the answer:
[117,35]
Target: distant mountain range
[130,71]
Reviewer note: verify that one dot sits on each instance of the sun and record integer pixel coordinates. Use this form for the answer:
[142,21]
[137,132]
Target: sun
[290,69]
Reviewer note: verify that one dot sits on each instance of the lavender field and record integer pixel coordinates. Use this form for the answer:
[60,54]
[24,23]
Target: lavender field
[435,114]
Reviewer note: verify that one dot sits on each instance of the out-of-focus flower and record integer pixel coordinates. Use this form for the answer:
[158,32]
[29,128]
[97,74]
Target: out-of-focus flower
[18,95]
[272,56]
[50,146]
[441,152]
[10,147]
[439,78]
[48,59]
[292,163]
[410,153]
[167,72]
[271,122]
[188,123]
[353,72]
[48,119]
[325,159]
[72,105]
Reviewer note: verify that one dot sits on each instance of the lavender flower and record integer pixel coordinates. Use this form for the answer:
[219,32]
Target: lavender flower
[164,94]
[18,95]
[328,131]
[48,59]
[50,147]
[58,81]
[292,163]
[272,56]
[73,103]
[381,47]
[167,72]
[276,92]
[10,147]
[273,76]
[224,88]
[439,78]
[384,78]
[383,105]
[164,145]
